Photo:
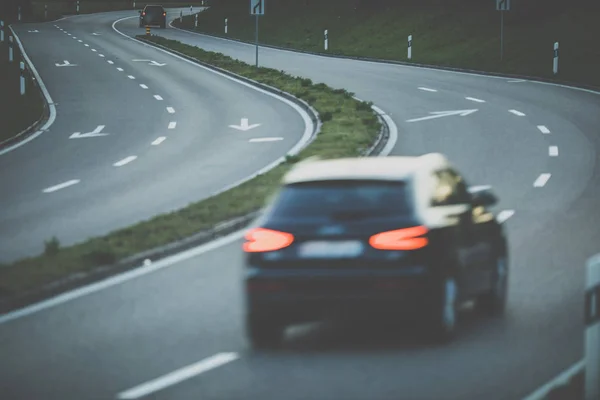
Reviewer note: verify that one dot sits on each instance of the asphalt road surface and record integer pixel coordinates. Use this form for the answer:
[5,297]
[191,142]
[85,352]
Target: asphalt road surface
[536,144]
[168,143]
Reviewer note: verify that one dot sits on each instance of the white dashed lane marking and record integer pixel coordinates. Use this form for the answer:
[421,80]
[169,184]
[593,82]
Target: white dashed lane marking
[125,161]
[80,41]
[101,55]
[110,62]
[131,76]
[475,100]
[120,69]
[542,180]
[94,50]
[172,125]
[157,97]
[143,86]
[61,186]
[87,45]
[504,215]
[159,141]
[427,89]
[170,110]
[543,129]
[553,151]
[265,139]
[518,113]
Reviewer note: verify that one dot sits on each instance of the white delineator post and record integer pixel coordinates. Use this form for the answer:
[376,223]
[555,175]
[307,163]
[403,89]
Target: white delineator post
[196,21]
[555,64]
[180,16]
[19,13]
[226,26]
[409,47]
[191,10]
[326,39]
[77,6]
[134,4]
[2,31]
[45,11]
[10,49]
[22,78]
[592,331]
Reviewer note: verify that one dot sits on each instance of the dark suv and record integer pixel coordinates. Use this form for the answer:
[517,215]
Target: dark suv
[153,15]
[385,236]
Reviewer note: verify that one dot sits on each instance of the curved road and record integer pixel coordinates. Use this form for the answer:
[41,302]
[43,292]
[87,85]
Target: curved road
[169,138]
[537,144]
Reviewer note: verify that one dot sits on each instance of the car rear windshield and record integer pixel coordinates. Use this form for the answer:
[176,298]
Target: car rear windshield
[154,10]
[342,200]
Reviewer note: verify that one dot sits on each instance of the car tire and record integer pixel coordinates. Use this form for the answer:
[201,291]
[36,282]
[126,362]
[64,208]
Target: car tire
[443,321]
[493,302]
[263,332]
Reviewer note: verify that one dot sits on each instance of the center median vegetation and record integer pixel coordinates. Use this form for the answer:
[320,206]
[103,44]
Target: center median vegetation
[349,128]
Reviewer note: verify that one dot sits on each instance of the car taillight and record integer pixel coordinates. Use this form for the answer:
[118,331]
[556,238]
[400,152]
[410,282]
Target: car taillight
[262,240]
[143,14]
[400,239]
[164,14]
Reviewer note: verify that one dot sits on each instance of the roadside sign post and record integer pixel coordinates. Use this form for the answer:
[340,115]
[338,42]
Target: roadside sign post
[409,47]
[502,5]
[326,40]
[22,78]
[257,8]
[10,49]
[555,63]
[592,331]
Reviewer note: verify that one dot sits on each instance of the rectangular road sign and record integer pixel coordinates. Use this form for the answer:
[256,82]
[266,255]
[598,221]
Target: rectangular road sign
[257,7]
[502,5]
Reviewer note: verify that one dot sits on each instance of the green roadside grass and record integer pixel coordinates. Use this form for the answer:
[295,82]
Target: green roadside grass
[17,112]
[349,127]
[451,33]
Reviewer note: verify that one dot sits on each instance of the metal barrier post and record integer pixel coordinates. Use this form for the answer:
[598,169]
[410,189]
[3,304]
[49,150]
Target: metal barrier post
[10,49]
[147,30]
[22,78]
[592,331]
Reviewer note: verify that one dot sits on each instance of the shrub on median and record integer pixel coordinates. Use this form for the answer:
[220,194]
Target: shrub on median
[350,126]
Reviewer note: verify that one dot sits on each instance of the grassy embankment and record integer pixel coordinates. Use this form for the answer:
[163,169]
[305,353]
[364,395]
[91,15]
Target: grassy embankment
[349,127]
[17,112]
[454,33]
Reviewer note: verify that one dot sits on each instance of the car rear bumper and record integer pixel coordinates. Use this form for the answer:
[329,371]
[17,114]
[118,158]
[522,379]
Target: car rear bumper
[295,296]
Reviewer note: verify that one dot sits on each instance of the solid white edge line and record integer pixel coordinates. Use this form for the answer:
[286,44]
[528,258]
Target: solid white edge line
[516,112]
[51,106]
[178,376]
[542,180]
[543,129]
[265,139]
[561,379]
[159,140]
[483,76]
[60,186]
[121,278]
[172,125]
[125,161]
[170,110]
[393,133]
[553,151]
[427,89]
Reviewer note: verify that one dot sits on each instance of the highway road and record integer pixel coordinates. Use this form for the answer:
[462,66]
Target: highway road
[162,137]
[176,331]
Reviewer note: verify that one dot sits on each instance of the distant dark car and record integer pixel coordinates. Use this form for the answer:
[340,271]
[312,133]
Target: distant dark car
[383,237]
[153,15]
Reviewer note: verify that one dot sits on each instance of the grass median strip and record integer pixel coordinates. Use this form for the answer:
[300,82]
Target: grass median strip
[348,128]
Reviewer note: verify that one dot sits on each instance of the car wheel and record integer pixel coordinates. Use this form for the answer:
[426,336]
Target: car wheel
[493,302]
[444,319]
[262,332]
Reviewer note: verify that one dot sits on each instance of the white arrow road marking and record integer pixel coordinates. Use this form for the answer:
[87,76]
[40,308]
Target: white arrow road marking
[172,125]
[244,125]
[178,376]
[143,86]
[553,151]
[159,141]
[157,97]
[151,62]
[170,110]
[543,129]
[61,186]
[504,215]
[518,113]
[441,114]
[541,180]
[96,132]
[265,139]
[427,89]
[65,64]
[475,99]
[124,161]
